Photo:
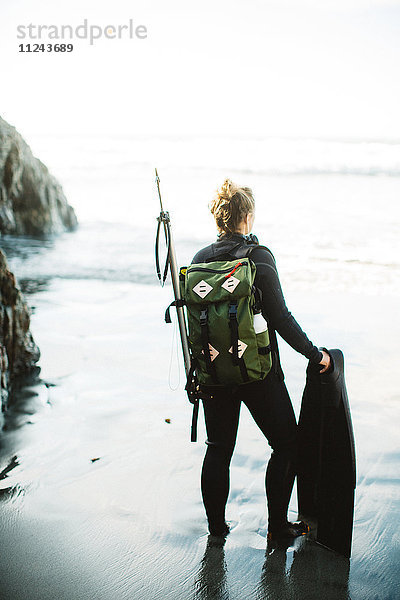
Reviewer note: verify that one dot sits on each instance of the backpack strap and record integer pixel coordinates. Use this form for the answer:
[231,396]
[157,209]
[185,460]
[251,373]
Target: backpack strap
[264,349]
[192,392]
[205,344]
[234,327]
[179,302]
[244,250]
[241,249]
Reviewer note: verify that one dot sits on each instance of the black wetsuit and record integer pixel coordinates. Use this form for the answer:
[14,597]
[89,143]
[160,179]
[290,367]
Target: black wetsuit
[267,400]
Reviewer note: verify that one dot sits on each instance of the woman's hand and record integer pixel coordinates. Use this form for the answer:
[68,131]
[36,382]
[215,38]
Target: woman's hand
[326,361]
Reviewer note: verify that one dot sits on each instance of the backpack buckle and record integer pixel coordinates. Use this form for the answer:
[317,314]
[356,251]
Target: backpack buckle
[203,317]
[232,311]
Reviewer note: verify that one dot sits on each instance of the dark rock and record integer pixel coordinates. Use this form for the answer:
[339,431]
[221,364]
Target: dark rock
[18,351]
[32,201]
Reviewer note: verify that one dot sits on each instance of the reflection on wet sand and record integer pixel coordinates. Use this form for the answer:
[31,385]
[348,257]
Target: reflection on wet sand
[304,570]
[211,581]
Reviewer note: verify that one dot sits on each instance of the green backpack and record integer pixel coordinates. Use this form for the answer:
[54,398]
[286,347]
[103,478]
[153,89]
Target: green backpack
[228,336]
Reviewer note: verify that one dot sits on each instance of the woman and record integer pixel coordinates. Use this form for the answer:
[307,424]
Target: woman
[268,401]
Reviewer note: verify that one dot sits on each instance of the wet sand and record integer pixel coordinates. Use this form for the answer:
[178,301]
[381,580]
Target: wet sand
[130,524]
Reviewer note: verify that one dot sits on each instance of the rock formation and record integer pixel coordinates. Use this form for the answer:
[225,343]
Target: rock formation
[32,201]
[18,351]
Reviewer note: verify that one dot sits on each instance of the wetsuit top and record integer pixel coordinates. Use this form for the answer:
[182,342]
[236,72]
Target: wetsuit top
[274,307]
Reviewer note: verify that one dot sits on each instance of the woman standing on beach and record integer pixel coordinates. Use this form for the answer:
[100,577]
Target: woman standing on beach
[267,400]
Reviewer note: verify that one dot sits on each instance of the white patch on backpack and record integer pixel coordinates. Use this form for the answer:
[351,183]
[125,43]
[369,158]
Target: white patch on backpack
[202,288]
[231,284]
[241,348]
[213,352]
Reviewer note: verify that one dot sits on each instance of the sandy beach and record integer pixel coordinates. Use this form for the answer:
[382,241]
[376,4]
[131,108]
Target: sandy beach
[130,524]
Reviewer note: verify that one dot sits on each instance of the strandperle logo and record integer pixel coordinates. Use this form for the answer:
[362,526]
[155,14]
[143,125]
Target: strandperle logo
[84,31]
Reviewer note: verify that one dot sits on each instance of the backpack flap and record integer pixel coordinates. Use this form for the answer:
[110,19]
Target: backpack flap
[215,281]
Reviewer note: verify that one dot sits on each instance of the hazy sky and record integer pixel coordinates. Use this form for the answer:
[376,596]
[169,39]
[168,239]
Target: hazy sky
[217,66]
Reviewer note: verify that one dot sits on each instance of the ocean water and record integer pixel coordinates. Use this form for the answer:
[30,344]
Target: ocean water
[130,524]
[318,203]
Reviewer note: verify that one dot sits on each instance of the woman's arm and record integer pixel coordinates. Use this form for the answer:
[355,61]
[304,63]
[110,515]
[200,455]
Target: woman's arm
[275,310]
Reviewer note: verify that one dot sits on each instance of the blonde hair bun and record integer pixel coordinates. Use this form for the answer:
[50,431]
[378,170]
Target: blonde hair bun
[230,205]
[227,190]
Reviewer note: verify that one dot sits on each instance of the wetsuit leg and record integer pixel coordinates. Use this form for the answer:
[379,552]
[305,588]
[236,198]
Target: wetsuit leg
[272,410]
[222,417]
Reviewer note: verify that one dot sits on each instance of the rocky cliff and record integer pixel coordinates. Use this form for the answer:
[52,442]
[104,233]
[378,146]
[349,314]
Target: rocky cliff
[18,351]
[32,201]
